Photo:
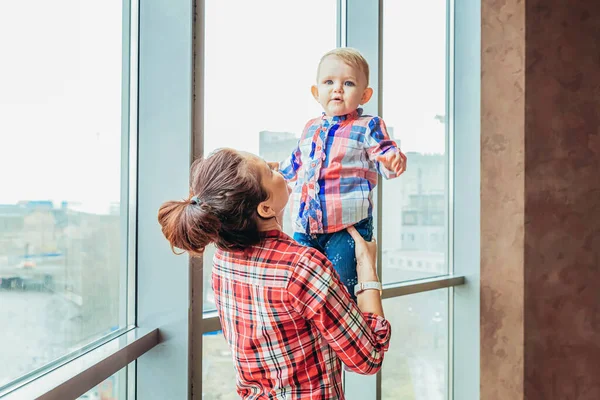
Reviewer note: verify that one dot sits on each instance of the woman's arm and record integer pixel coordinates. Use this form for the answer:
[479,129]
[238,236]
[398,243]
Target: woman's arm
[359,338]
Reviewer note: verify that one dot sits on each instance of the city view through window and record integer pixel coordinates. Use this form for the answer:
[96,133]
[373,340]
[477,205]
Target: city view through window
[62,229]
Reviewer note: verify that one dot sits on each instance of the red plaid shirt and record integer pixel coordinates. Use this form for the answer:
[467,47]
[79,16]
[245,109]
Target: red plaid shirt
[290,323]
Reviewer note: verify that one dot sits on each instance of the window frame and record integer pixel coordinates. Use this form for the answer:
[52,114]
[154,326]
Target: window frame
[65,373]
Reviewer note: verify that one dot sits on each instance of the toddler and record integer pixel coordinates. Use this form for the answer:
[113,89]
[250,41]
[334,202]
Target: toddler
[337,161]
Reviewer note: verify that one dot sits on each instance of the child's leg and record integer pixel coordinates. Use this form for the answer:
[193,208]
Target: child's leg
[339,249]
[308,241]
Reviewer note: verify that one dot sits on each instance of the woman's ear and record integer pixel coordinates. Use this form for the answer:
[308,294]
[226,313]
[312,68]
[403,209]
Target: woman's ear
[265,210]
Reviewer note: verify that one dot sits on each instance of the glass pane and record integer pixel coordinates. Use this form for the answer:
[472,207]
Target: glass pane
[218,374]
[61,236]
[415,228]
[416,365]
[257,84]
[112,388]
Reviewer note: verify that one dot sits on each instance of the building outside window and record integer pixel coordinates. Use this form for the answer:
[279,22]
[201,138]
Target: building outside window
[64,202]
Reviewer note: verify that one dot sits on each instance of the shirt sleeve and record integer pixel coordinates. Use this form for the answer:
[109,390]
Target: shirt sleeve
[378,142]
[316,293]
[290,166]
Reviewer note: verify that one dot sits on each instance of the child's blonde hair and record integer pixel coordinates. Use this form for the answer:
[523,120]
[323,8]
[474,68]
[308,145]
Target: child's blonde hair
[350,56]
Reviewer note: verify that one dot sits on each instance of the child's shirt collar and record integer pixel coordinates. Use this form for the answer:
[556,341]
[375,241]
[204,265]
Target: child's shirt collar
[338,118]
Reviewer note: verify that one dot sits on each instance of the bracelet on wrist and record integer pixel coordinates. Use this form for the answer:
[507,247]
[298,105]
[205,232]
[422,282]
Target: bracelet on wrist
[371,285]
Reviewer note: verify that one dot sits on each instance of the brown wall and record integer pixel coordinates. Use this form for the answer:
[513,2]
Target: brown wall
[540,200]
[562,210]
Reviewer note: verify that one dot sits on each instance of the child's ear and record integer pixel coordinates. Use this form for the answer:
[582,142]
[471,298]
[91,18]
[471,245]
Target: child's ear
[366,96]
[265,210]
[315,92]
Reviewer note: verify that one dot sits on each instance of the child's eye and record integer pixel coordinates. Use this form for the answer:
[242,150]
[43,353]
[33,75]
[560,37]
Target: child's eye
[328,82]
[348,83]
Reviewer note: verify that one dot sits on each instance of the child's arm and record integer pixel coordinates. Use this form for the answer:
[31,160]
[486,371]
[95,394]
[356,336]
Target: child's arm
[290,166]
[390,161]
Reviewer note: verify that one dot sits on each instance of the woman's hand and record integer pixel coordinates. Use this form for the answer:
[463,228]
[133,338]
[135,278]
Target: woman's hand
[366,256]
[369,301]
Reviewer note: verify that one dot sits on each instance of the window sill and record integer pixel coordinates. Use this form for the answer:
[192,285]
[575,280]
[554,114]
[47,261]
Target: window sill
[71,380]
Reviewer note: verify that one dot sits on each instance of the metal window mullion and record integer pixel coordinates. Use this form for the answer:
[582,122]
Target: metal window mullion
[449,127]
[132,161]
[466,75]
[379,378]
[164,130]
[379,98]
[341,18]
[363,32]
[134,6]
[131,18]
[198,324]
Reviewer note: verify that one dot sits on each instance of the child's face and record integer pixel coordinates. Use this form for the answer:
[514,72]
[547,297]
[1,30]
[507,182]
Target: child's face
[340,88]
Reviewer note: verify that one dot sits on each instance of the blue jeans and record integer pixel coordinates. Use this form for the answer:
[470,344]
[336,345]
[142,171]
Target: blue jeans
[338,247]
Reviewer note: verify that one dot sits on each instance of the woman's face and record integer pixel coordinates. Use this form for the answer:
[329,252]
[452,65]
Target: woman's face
[274,183]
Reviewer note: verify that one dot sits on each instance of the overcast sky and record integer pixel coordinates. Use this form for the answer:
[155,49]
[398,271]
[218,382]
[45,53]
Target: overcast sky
[60,85]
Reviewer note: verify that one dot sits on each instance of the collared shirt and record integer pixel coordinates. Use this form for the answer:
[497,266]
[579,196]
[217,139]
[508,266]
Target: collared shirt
[290,323]
[335,170]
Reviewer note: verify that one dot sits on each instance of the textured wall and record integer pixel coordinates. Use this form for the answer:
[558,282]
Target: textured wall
[562,191]
[502,198]
[540,200]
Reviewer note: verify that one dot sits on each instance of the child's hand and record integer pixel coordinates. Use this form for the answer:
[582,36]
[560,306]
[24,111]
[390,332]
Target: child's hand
[393,161]
[273,165]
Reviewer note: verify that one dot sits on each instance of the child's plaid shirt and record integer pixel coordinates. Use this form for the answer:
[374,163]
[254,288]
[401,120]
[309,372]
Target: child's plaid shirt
[334,164]
[290,322]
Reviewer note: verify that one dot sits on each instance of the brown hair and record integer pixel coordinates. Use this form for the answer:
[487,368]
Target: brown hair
[222,208]
[350,56]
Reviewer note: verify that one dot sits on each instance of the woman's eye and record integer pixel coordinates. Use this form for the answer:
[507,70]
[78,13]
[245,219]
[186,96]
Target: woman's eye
[349,83]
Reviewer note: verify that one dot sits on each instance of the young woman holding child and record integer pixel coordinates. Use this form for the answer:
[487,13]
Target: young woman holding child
[289,321]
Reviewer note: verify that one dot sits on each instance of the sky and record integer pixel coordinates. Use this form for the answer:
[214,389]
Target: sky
[60,85]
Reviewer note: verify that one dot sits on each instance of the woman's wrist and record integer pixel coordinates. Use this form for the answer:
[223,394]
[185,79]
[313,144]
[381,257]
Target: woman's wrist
[370,276]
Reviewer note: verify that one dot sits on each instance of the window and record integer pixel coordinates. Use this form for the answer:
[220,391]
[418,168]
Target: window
[261,80]
[416,366]
[112,388]
[64,214]
[218,375]
[414,107]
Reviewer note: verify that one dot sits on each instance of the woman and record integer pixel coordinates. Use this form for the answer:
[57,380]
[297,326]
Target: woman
[288,320]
